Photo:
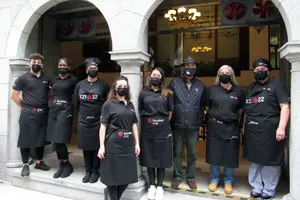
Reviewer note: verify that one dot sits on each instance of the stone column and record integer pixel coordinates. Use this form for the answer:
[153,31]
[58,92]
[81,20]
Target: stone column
[291,52]
[131,62]
[18,67]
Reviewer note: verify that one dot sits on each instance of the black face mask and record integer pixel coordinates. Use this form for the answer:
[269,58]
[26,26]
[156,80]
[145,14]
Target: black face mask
[225,78]
[155,81]
[63,71]
[123,92]
[190,71]
[36,68]
[92,73]
[260,75]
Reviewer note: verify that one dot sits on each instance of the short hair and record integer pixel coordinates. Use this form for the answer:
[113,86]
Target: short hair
[233,79]
[91,61]
[66,60]
[36,56]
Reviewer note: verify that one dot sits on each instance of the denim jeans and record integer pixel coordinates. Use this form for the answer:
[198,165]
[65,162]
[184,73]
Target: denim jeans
[215,174]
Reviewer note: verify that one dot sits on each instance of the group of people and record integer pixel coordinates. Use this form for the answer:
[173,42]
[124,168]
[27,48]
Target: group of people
[170,117]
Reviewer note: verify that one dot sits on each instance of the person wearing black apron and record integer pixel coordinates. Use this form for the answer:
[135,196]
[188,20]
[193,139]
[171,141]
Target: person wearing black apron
[60,118]
[267,114]
[155,107]
[91,93]
[119,142]
[34,86]
[224,101]
[188,96]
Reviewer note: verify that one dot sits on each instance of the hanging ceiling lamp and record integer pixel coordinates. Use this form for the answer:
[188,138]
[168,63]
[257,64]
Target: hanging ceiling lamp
[182,14]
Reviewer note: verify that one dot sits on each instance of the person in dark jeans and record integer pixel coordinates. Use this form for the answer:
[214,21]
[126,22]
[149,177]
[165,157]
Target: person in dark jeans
[34,86]
[188,94]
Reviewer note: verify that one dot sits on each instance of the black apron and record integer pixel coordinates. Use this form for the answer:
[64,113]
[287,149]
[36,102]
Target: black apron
[222,145]
[88,129]
[119,166]
[60,120]
[260,145]
[156,142]
[33,127]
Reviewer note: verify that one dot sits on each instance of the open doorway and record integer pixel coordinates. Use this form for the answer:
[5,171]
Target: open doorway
[234,33]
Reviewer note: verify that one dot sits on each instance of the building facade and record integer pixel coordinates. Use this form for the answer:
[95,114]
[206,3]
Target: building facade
[128,26]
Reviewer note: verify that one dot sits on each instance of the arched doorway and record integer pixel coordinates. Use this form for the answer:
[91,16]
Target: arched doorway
[216,38]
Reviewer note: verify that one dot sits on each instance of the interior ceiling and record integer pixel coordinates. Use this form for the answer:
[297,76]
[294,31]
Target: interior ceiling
[78,8]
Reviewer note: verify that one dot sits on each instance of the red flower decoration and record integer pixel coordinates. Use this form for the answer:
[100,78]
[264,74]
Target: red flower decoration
[262,8]
[235,11]
[89,97]
[120,134]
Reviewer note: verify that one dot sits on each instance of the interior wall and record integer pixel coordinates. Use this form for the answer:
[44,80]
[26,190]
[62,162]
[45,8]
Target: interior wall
[73,51]
[50,45]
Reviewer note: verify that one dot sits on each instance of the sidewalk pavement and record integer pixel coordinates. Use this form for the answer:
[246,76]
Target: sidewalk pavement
[9,192]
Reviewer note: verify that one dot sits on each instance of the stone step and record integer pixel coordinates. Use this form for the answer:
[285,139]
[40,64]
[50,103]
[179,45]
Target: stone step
[70,187]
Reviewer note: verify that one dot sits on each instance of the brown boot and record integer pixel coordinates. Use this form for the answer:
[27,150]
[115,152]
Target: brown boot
[192,184]
[213,186]
[228,188]
[175,184]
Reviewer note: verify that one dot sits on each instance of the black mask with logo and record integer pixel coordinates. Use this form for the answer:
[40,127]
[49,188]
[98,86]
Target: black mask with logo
[260,75]
[92,73]
[190,71]
[63,71]
[36,68]
[123,92]
[155,81]
[225,78]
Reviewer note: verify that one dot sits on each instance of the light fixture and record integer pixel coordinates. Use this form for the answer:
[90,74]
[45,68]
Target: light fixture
[201,49]
[182,14]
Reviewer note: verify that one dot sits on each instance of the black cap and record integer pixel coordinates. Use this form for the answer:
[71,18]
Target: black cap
[262,62]
[189,60]
[91,61]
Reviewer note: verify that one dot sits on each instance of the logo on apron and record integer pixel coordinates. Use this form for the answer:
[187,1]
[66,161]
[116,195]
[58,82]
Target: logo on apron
[155,121]
[233,97]
[59,102]
[124,134]
[253,122]
[255,100]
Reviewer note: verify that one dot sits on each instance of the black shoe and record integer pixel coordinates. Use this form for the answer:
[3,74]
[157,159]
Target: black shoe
[86,177]
[255,194]
[68,170]
[42,166]
[94,177]
[266,196]
[25,171]
[57,174]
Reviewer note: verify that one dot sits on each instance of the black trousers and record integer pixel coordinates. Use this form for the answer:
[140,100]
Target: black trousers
[25,152]
[160,175]
[91,161]
[115,192]
[62,151]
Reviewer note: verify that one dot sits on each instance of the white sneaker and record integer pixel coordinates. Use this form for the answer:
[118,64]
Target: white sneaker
[159,195]
[151,192]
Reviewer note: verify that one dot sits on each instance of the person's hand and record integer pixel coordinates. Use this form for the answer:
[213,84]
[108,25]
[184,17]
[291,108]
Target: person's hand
[137,150]
[101,152]
[280,134]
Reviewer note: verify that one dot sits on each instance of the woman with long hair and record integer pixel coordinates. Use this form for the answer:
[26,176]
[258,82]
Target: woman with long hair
[155,107]
[119,142]
[60,118]
[224,102]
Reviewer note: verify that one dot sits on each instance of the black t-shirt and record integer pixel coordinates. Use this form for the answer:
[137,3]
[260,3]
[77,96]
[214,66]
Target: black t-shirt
[265,99]
[224,104]
[91,96]
[151,103]
[118,116]
[63,88]
[35,90]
